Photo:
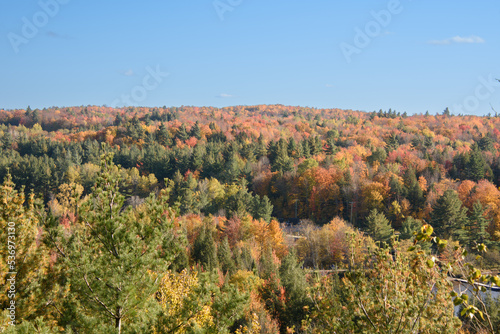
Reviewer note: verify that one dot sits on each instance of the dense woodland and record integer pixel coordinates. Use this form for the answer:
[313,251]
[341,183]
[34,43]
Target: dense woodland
[249,219]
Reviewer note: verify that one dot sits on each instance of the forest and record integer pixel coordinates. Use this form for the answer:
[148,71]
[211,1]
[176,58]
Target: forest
[248,219]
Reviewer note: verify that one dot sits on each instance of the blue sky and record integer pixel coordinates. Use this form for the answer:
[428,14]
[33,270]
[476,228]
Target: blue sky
[418,55]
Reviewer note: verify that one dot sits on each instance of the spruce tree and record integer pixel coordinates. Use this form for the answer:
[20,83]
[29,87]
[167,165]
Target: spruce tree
[410,225]
[261,149]
[225,257]
[163,135]
[397,189]
[378,226]
[294,281]
[282,162]
[196,131]
[182,134]
[262,208]
[477,226]
[204,249]
[448,216]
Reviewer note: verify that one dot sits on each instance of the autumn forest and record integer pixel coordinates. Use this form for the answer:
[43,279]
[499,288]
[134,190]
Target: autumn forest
[249,219]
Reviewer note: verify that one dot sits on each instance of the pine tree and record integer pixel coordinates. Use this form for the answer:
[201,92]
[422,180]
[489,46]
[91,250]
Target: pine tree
[306,148]
[378,226]
[397,190]
[294,281]
[182,134]
[410,225]
[416,196]
[232,170]
[262,208]
[109,253]
[292,148]
[196,131]
[204,249]
[163,135]
[282,162]
[477,167]
[188,202]
[448,216]
[261,149]
[477,226]
[225,257]
[197,157]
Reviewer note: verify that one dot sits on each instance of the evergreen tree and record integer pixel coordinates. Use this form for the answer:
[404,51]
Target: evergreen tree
[261,149]
[188,202]
[330,147]
[410,225]
[163,135]
[109,253]
[225,257]
[476,167]
[262,208]
[397,190]
[292,148]
[182,134]
[243,259]
[448,216]
[315,145]
[197,157]
[416,196]
[378,226]
[392,142]
[477,226]
[294,281]
[486,143]
[196,131]
[306,148]
[378,155]
[282,162]
[204,249]
[232,170]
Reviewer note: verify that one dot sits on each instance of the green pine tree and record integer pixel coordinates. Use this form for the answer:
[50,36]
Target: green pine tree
[378,226]
[163,135]
[410,225]
[477,226]
[294,281]
[109,253]
[204,249]
[182,134]
[225,257]
[448,216]
[196,131]
[262,208]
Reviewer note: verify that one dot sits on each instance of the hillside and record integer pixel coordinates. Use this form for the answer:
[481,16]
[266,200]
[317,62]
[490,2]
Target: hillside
[242,204]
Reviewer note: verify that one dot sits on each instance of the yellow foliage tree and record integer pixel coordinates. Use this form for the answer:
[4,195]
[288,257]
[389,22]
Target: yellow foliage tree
[181,308]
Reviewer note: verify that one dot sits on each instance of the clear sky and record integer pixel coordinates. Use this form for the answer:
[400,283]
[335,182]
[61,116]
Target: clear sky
[406,55]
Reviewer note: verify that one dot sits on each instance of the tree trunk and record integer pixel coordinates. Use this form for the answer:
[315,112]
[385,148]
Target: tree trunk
[118,321]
